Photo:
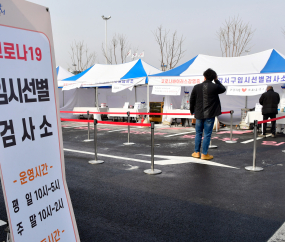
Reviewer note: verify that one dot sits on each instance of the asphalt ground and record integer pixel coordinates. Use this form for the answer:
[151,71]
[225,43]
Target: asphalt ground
[188,201]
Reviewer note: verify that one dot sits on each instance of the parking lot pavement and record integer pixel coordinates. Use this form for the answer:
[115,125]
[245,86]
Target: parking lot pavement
[191,200]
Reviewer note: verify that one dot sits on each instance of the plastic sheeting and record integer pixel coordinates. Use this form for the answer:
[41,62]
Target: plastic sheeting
[85,97]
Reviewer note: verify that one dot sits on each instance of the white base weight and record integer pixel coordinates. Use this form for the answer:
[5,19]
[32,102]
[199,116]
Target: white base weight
[129,143]
[231,141]
[152,172]
[251,168]
[88,140]
[93,162]
[213,146]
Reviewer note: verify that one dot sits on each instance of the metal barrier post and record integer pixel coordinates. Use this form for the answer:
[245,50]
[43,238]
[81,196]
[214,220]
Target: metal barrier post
[214,146]
[253,167]
[96,161]
[129,143]
[88,138]
[152,171]
[231,141]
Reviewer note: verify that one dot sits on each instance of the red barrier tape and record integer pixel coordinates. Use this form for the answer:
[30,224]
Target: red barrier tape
[133,113]
[104,122]
[127,124]
[269,120]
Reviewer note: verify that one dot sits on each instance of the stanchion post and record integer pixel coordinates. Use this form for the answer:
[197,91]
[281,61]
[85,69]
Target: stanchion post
[88,138]
[152,171]
[128,113]
[88,125]
[213,146]
[95,161]
[231,141]
[253,167]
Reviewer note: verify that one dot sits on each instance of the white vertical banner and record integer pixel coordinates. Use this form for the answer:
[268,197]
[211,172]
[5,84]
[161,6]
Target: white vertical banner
[31,157]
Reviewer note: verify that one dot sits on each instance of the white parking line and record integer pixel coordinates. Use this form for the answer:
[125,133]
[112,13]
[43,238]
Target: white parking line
[251,140]
[166,160]
[71,127]
[279,235]
[2,223]
[117,130]
[179,134]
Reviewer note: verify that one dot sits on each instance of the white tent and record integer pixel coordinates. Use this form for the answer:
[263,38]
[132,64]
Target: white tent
[264,68]
[128,74]
[62,74]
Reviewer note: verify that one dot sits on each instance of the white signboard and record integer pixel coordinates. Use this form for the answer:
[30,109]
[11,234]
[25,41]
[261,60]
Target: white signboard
[226,80]
[127,84]
[246,90]
[166,90]
[31,162]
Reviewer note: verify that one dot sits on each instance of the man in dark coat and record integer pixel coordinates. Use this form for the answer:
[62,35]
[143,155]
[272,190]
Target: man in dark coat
[205,105]
[269,101]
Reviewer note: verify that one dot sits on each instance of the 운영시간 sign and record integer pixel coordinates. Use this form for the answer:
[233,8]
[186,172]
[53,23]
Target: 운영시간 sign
[32,169]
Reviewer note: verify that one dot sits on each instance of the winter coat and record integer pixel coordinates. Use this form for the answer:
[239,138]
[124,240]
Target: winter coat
[205,101]
[269,100]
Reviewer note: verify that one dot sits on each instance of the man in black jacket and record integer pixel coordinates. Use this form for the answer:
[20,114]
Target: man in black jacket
[205,105]
[269,100]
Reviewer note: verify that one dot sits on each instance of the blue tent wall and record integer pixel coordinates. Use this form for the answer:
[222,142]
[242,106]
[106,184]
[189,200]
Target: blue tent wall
[178,70]
[275,63]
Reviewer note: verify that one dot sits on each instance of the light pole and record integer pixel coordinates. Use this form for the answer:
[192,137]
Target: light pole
[106,18]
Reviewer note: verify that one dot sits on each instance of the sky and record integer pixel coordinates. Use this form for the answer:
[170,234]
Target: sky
[197,21]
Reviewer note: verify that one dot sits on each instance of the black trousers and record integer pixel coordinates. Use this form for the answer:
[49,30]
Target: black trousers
[273,123]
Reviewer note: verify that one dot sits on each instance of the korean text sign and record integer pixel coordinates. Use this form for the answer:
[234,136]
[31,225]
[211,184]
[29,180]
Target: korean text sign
[31,165]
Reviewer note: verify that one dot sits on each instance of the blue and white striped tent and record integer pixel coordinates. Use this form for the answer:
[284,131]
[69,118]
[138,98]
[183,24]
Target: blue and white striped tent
[134,72]
[267,67]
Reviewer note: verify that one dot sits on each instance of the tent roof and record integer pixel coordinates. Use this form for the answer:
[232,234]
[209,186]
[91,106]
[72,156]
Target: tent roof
[263,62]
[62,73]
[100,73]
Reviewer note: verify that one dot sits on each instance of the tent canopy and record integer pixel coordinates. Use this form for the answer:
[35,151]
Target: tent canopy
[104,75]
[62,73]
[267,67]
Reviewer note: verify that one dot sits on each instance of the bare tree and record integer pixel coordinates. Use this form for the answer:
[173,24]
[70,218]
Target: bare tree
[124,47]
[120,41]
[235,36]
[170,46]
[81,57]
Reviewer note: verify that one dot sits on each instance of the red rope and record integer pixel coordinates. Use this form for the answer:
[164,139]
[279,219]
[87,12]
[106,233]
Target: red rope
[133,113]
[104,122]
[269,120]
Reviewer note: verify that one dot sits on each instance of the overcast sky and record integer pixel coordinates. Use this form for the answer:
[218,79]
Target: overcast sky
[198,21]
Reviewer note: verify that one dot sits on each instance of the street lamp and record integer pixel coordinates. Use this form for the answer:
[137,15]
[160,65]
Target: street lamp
[106,18]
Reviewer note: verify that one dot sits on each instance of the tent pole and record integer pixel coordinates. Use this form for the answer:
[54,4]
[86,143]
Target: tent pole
[135,94]
[97,104]
[63,98]
[245,101]
[147,108]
